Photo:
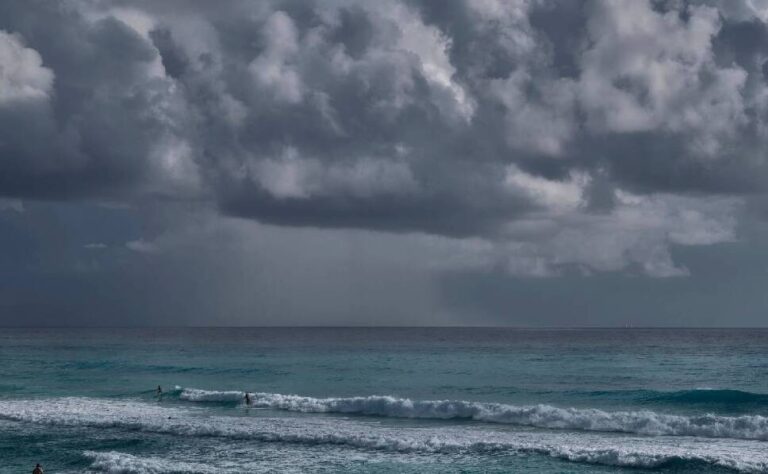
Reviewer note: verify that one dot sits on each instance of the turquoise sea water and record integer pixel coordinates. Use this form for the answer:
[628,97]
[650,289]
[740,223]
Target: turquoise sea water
[383,400]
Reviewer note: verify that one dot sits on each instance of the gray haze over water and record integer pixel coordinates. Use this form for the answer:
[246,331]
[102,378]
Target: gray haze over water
[473,162]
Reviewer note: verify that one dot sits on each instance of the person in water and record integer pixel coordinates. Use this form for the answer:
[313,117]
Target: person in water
[159,392]
[248,400]
[38,469]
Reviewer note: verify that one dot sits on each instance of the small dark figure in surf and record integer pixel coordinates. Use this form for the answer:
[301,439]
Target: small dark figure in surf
[248,400]
[159,392]
[38,469]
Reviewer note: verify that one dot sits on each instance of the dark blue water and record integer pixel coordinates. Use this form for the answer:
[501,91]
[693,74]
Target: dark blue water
[384,400]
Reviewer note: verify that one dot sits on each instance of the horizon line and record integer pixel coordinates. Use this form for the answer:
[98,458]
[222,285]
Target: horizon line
[372,327]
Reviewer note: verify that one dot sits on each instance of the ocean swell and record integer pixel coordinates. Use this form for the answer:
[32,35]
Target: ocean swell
[731,398]
[643,422]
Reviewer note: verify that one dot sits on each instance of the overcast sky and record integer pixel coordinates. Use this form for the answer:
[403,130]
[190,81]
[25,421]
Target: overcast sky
[429,162]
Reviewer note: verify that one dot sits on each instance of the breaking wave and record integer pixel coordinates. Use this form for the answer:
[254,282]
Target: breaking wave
[643,422]
[114,462]
[628,451]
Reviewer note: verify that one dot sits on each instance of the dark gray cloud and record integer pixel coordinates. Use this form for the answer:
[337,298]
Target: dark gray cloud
[84,108]
[535,138]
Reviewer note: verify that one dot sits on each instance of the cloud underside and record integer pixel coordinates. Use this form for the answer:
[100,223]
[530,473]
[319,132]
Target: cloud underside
[539,137]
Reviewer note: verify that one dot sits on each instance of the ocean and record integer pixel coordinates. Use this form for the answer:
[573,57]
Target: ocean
[376,400]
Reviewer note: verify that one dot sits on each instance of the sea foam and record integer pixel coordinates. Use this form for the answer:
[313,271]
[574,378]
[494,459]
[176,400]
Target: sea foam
[643,422]
[613,450]
[114,462]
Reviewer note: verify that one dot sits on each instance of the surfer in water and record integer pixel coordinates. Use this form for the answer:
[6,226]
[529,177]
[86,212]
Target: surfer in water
[38,469]
[248,401]
[159,392]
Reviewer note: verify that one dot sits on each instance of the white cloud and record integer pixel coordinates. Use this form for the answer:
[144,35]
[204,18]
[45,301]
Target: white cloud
[744,10]
[174,159]
[293,176]
[431,48]
[543,125]
[556,196]
[646,70]
[22,74]
[274,70]
[539,107]
[638,231]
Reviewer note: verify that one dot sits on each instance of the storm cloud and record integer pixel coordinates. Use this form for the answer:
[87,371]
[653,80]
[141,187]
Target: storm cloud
[534,138]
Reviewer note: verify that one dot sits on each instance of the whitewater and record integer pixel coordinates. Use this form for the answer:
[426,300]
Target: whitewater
[179,422]
[540,416]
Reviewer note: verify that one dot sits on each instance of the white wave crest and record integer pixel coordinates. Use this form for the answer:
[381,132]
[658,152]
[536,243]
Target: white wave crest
[196,395]
[643,422]
[614,450]
[113,462]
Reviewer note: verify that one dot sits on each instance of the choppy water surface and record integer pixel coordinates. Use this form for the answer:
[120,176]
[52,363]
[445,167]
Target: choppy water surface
[384,400]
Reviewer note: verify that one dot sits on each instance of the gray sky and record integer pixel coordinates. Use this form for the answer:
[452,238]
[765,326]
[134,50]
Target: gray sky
[389,163]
